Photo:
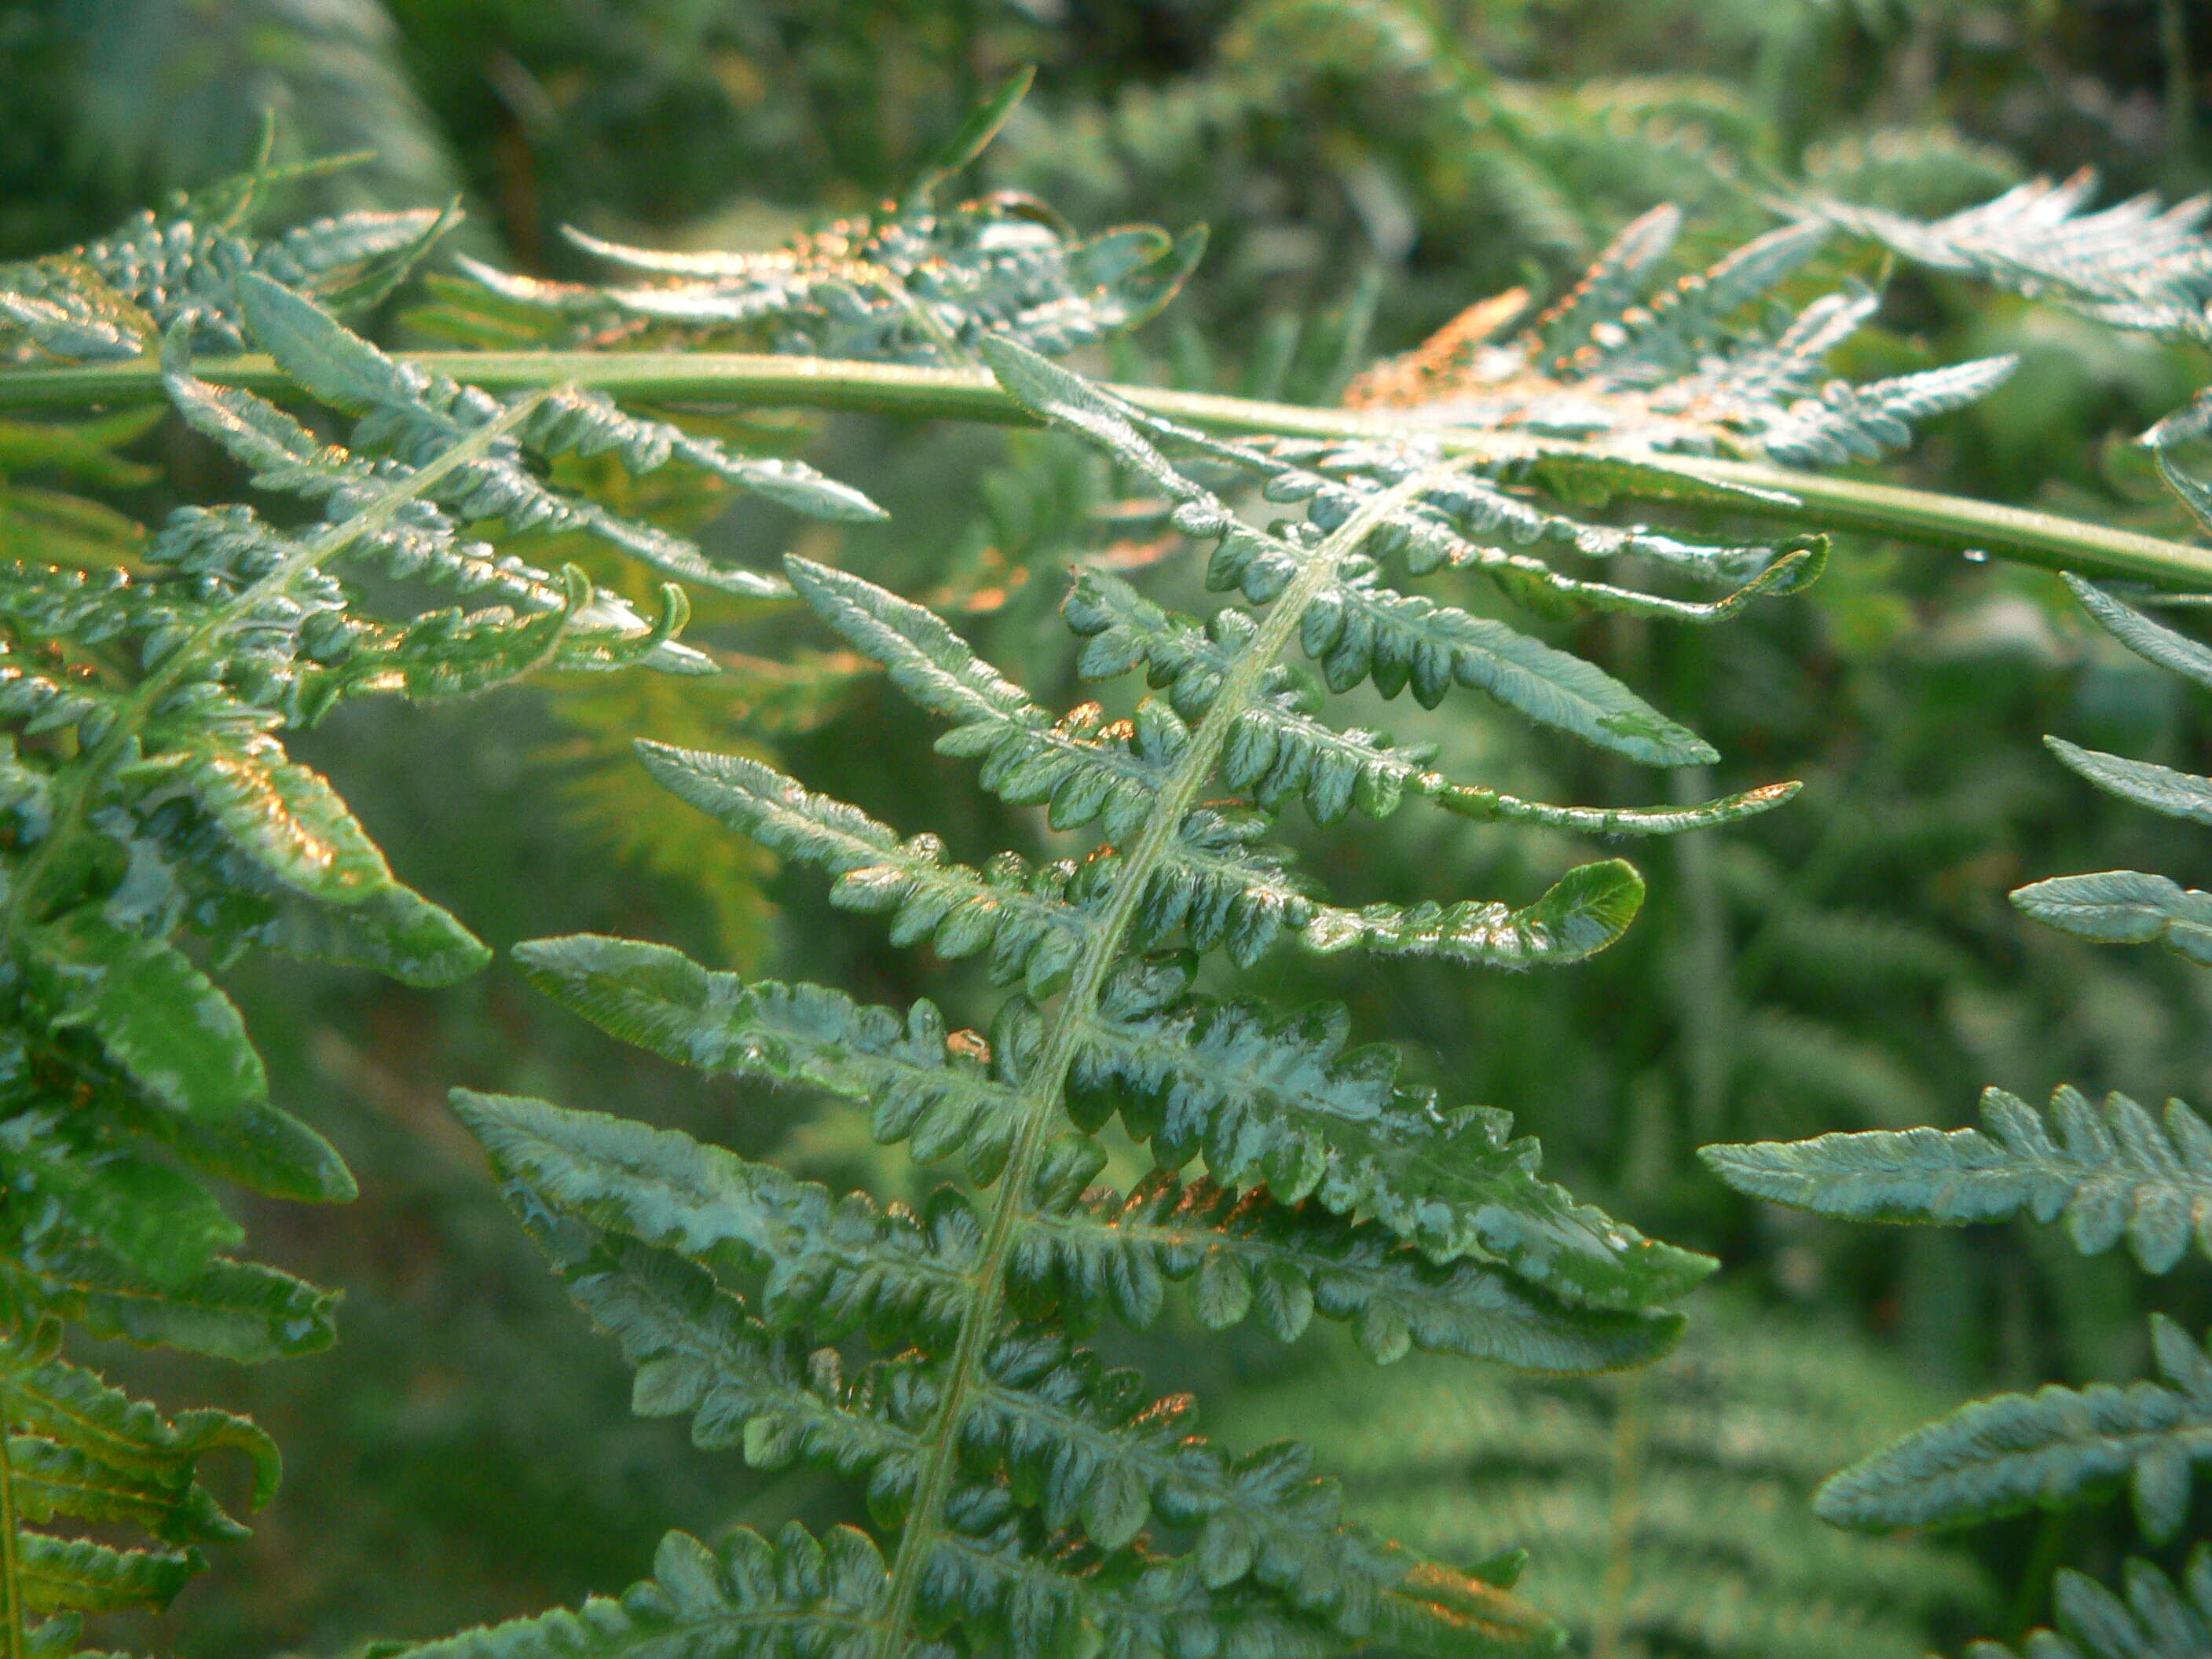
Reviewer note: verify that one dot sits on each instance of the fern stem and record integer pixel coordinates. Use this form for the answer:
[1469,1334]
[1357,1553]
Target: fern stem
[1079,1005]
[11,1570]
[1811,501]
[1621,1513]
[79,786]
[2032,1591]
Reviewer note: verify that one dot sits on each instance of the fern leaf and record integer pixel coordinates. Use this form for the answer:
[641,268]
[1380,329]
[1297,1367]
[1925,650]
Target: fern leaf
[1280,748]
[2176,794]
[2123,907]
[841,1265]
[2158,1617]
[1670,335]
[282,815]
[744,1600]
[1087,770]
[1402,494]
[2155,643]
[398,932]
[1219,888]
[76,1575]
[1010,907]
[2131,907]
[177,1039]
[1087,773]
[1079,1444]
[908,283]
[1615,278]
[2136,263]
[2052,1448]
[1282,1103]
[1032,1487]
[78,1451]
[924,1085]
[1583,912]
[699,1351]
[147,790]
[1487,522]
[240,1311]
[81,1450]
[1358,631]
[2111,1174]
[1865,422]
[1249,1255]
[117,296]
[147,1213]
[1665,374]
[405,410]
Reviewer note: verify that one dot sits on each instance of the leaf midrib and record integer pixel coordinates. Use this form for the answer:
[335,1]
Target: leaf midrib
[1043,1097]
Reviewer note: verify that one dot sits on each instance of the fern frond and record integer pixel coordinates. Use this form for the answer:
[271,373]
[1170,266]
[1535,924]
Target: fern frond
[147,794]
[1669,1505]
[2159,1616]
[1353,626]
[177,273]
[1219,888]
[406,414]
[2051,1449]
[1280,749]
[1079,1444]
[77,1450]
[2132,906]
[743,1600]
[909,282]
[1284,1104]
[1035,1492]
[1616,365]
[2111,1174]
[1433,514]
[2137,265]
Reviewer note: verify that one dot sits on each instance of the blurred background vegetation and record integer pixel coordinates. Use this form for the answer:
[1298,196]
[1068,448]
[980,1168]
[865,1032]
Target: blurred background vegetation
[1368,167]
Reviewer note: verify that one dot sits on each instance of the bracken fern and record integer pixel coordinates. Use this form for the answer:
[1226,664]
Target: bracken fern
[2111,1174]
[1032,1499]
[1042,1503]
[148,798]
[909,282]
